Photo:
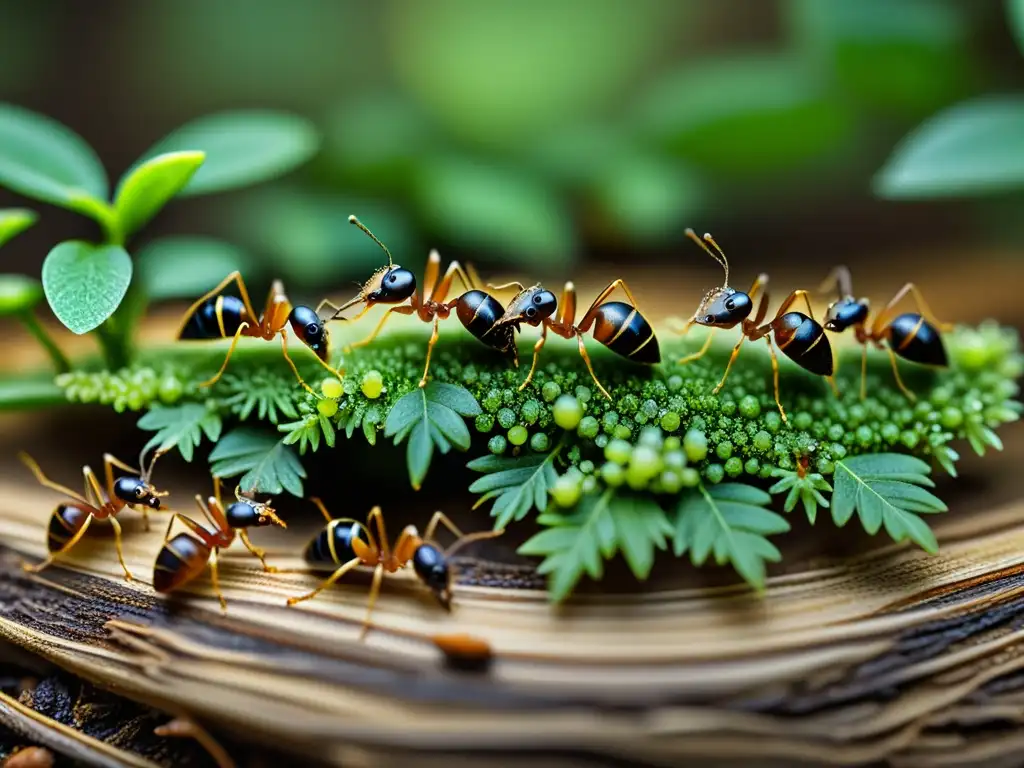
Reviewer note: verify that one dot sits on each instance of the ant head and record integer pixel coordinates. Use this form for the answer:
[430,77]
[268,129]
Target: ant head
[396,284]
[723,308]
[247,513]
[134,491]
[531,306]
[307,325]
[431,567]
[846,313]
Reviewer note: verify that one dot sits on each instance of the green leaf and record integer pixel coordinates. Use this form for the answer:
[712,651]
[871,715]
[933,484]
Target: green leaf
[886,490]
[430,417]
[517,484]
[1015,10]
[14,221]
[973,148]
[730,522]
[182,426]
[44,160]
[148,187]
[85,283]
[185,267]
[806,489]
[242,148]
[269,466]
[505,209]
[980,436]
[598,527]
[18,294]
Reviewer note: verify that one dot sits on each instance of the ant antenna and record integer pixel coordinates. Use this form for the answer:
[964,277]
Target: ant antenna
[358,223]
[469,538]
[720,259]
[147,472]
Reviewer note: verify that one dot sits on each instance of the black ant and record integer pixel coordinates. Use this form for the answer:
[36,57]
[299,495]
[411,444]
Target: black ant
[914,336]
[617,325]
[476,310]
[70,520]
[347,543]
[215,316]
[800,336]
[184,557]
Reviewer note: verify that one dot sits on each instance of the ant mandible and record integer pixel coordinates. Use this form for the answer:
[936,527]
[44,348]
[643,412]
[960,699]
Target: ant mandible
[914,336]
[184,557]
[800,336]
[347,543]
[477,311]
[215,316]
[71,519]
[617,325]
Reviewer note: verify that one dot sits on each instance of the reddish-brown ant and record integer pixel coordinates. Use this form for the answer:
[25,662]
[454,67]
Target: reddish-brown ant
[914,336]
[800,336]
[215,316]
[71,519]
[184,557]
[346,543]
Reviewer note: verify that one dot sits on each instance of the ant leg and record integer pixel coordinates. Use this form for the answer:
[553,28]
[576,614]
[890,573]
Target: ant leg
[378,575]
[44,481]
[234,277]
[120,549]
[183,728]
[760,285]
[188,522]
[922,305]
[469,538]
[586,359]
[840,279]
[702,351]
[323,510]
[686,326]
[46,563]
[227,358]
[454,270]
[591,314]
[568,304]
[732,359]
[505,286]
[404,309]
[775,376]
[430,349]
[376,517]
[109,462]
[92,485]
[341,571]
[832,383]
[430,273]
[896,373]
[536,353]
[328,303]
[215,579]
[442,519]
[291,364]
[864,373]
[260,553]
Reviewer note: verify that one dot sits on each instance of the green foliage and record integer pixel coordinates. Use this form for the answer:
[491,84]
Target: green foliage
[150,185]
[887,489]
[85,283]
[261,392]
[1015,12]
[14,221]
[516,484]
[730,522]
[184,266]
[182,426]
[266,464]
[430,417]
[803,487]
[18,294]
[600,526]
[308,431]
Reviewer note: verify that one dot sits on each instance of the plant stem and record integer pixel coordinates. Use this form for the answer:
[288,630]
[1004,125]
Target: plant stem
[114,344]
[60,360]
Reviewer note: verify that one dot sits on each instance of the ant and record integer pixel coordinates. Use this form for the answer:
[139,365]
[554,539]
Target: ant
[71,519]
[476,310]
[617,325]
[184,557]
[914,336]
[800,336]
[215,316]
[347,543]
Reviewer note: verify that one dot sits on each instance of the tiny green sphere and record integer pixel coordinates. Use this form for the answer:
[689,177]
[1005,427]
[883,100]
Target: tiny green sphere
[613,474]
[589,484]
[506,418]
[583,394]
[539,442]
[651,437]
[724,450]
[865,435]
[825,467]
[618,451]
[586,467]
[803,420]
[550,391]
[909,438]
[689,477]
[674,460]
[589,427]
[568,411]
[951,417]
[750,407]
[327,407]
[497,445]
[530,411]
[672,443]
[372,384]
[649,408]
[836,432]
[670,482]
[714,473]
[484,422]
[601,441]
[762,441]
[890,432]
[645,462]
[170,389]
[695,443]
[622,432]
[492,401]
[752,466]
[518,435]
[734,467]
[670,421]
[609,420]
[567,490]
[675,383]
[332,388]
[773,421]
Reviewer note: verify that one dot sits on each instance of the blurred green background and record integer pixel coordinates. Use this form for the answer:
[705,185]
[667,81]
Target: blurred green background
[545,136]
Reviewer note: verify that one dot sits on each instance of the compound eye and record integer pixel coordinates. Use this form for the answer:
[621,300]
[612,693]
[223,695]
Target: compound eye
[531,312]
[392,277]
[140,492]
[709,318]
[538,299]
[730,304]
[313,329]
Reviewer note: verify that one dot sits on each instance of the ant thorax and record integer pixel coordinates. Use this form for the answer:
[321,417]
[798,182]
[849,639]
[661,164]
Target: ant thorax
[517,306]
[375,282]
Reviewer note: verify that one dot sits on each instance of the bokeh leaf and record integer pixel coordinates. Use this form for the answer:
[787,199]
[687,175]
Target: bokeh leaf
[14,221]
[84,283]
[18,294]
[242,148]
[149,186]
[44,160]
[1015,9]
[185,267]
[973,148]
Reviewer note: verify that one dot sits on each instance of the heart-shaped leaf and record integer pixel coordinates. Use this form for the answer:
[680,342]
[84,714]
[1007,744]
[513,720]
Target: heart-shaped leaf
[14,221]
[242,148]
[44,160]
[184,267]
[84,283]
[148,187]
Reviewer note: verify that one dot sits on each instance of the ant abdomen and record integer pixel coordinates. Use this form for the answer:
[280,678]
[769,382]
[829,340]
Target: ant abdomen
[621,328]
[334,543]
[180,560]
[216,318]
[914,338]
[478,312]
[803,340]
[66,521]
